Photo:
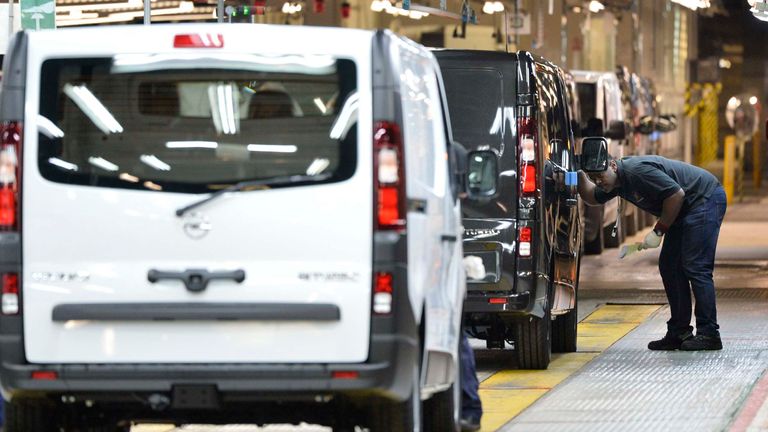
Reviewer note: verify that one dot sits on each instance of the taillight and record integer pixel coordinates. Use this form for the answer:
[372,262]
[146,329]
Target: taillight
[527,137]
[524,241]
[10,294]
[389,176]
[10,174]
[382,293]
[198,40]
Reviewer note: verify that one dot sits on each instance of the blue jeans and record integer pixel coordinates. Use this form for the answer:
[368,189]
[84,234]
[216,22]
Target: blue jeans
[686,263]
[471,407]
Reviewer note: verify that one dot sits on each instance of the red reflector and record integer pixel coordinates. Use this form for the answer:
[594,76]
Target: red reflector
[529,179]
[497,300]
[389,208]
[7,206]
[198,40]
[525,234]
[10,283]
[346,375]
[383,283]
[45,375]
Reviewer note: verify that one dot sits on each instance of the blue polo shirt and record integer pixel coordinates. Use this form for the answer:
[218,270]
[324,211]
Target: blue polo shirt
[646,181]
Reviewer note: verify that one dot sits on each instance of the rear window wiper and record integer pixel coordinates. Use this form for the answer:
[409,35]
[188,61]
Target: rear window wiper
[243,185]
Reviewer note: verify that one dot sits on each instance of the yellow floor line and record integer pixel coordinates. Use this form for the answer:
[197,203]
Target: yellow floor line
[506,394]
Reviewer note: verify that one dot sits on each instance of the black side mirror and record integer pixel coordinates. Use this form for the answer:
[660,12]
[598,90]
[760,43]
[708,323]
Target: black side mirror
[483,174]
[666,123]
[594,154]
[617,130]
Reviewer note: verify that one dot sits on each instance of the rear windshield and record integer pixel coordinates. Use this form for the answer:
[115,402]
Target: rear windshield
[474,101]
[116,122]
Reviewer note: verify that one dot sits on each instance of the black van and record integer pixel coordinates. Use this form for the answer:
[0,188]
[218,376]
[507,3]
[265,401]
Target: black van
[528,234]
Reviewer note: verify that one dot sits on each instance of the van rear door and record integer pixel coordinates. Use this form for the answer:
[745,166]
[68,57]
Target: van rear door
[118,268]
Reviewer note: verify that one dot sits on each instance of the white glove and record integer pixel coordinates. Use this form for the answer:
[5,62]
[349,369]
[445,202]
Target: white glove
[473,266]
[628,250]
[652,240]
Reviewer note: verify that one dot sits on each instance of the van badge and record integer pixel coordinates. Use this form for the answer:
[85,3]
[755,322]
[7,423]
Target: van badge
[196,225]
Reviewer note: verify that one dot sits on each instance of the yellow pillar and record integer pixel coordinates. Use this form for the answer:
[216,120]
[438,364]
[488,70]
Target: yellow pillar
[729,166]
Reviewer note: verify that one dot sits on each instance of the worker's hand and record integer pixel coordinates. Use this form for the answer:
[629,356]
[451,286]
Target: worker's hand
[652,240]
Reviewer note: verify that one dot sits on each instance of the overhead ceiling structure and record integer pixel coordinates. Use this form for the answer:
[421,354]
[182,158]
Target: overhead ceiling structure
[84,12]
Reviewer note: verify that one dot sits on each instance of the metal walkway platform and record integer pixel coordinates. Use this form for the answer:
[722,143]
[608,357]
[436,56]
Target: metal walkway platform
[630,388]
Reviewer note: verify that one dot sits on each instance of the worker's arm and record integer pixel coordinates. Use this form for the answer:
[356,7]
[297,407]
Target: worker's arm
[670,208]
[587,189]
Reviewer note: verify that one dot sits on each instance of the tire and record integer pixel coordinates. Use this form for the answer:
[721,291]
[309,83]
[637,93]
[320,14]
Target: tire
[393,416]
[30,415]
[443,410]
[533,342]
[564,331]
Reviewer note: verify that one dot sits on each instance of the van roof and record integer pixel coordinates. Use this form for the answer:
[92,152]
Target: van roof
[239,37]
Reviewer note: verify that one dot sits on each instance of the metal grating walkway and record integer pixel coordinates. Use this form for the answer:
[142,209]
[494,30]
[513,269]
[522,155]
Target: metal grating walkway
[629,388]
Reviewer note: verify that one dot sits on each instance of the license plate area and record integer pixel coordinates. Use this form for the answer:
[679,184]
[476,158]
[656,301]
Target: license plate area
[195,396]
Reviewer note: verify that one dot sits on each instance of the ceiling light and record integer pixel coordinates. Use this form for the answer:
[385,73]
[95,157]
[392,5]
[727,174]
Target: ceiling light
[693,4]
[62,164]
[191,144]
[272,148]
[595,6]
[102,163]
[154,162]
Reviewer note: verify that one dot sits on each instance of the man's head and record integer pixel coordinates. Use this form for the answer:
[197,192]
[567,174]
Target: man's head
[606,180]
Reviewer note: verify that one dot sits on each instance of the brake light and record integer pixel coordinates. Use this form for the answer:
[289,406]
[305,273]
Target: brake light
[497,300]
[10,294]
[524,241]
[345,374]
[10,174]
[382,293]
[198,40]
[528,150]
[389,176]
[45,375]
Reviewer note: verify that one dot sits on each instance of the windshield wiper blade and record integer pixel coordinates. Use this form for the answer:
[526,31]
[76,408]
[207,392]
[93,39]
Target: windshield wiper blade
[237,187]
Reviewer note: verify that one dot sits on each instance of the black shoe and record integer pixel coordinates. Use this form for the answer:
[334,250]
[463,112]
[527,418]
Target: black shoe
[669,342]
[702,342]
[469,424]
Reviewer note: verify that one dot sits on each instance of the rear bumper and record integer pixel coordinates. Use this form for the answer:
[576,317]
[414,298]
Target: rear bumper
[480,303]
[387,373]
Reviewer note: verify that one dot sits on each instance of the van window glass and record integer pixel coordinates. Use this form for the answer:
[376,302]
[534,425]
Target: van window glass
[196,130]
[553,110]
[423,118]
[475,101]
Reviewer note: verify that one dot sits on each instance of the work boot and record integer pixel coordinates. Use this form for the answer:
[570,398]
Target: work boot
[669,342]
[469,424]
[702,342]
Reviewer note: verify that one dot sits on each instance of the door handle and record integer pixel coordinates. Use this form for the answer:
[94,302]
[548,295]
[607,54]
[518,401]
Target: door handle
[195,280]
[448,238]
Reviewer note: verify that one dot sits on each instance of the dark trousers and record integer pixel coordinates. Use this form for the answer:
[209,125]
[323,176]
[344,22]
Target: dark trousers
[471,407]
[686,263]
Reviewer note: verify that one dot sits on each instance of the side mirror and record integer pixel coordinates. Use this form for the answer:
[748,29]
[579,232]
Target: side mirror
[483,174]
[646,126]
[594,154]
[617,130]
[666,123]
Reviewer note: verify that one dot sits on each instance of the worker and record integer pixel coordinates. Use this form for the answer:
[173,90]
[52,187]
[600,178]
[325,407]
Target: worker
[690,204]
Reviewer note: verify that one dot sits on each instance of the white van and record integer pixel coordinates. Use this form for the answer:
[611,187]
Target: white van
[198,226]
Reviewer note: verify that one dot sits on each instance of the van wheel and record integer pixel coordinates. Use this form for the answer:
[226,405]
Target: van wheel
[29,415]
[533,343]
[564,332]
[393,416]
[442,410]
